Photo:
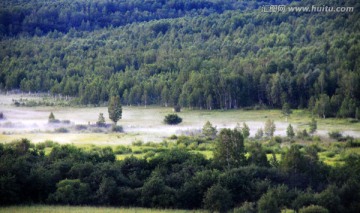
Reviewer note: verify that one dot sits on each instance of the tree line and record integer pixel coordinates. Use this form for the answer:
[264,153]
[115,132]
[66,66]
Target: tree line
[176,178]
[40,17]
[227,60]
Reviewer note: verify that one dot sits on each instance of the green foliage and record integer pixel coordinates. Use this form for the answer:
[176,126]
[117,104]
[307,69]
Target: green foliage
[115,109]
[175,178]
[322,106]
[209,131]
[259,133]
[72,192]
[155,193]
[293,160]
[286,110]
[302,134]
[313,209]
[246,207]
[269,128]
[313,126]
[101,120]
[257,155]
[172,119]
[217,199]
[268,203]
[335,135]
[245,130]
[290,131]
[146,57]
[117,128]
[229,151]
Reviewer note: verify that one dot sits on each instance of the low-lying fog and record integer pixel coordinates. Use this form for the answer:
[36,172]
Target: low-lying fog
[147,121]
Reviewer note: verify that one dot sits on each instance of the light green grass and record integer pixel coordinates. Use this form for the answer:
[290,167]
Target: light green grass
[81,209]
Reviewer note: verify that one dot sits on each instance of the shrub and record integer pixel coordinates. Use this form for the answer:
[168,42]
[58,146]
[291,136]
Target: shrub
[302,134]
[277,139]
[193,146]
[335,135]
[172,119]
[246,207]
[138,143]
[80,127]
[97,130]
[149,154]
[116,128]
[202,147]
[173,137]
[353,143]
[65,121]
[138,152]
[61,130]
[122,150]
[218,199]
[54,121]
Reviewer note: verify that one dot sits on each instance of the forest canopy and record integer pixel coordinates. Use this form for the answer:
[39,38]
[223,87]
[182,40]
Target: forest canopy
[196,54]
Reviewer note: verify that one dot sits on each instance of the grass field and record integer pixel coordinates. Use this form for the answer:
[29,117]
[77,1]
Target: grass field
[81,209]
[146,124]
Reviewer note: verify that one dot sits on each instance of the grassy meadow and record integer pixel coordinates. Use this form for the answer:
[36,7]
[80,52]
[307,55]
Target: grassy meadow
[144,131]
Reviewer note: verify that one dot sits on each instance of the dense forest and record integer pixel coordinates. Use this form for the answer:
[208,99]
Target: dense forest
[196,54]
[177,178]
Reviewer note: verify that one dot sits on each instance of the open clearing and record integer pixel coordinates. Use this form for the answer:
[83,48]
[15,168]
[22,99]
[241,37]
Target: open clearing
[146,123]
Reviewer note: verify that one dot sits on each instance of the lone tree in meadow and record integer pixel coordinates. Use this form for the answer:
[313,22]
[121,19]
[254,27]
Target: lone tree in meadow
[101,120]
[286,110]
[115,109]
[51,116]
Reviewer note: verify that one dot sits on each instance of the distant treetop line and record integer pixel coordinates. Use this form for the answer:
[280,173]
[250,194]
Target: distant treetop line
[39,17]
[197,54]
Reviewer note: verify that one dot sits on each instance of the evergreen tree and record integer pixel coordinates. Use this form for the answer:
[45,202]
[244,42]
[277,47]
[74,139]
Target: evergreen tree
[245,130]
[51,116]
[101,120]
[286,111]
[290,131]
[115,109]
[313,126]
